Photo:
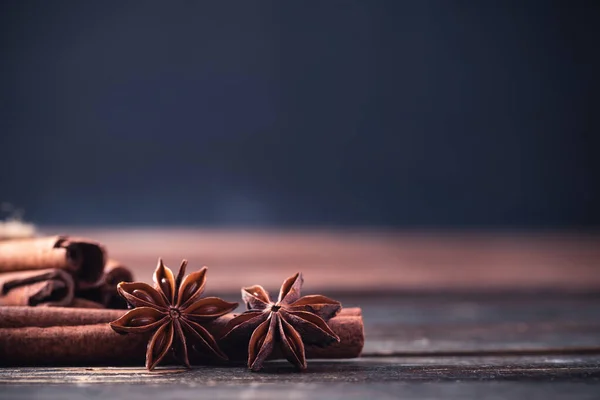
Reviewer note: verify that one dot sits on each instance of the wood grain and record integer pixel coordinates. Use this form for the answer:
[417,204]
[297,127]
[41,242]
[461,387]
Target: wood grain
[472,324]
[363,260]
[364,370]
[446,316]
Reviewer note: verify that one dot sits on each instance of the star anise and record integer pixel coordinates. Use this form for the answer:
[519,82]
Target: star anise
[289,323]
[174,310]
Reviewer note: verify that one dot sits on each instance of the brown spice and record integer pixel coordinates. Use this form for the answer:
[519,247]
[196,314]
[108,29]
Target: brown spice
[174,311]
[47,287]
[82,257]
[289,323]
[104,291]
[71,336]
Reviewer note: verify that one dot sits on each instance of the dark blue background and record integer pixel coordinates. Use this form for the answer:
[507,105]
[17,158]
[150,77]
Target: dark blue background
[396,113]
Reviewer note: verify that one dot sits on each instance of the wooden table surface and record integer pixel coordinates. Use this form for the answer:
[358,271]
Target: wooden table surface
[361,260]
[446,316]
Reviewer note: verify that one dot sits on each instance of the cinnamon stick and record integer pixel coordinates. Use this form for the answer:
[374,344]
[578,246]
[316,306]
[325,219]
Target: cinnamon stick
[80,302]
[82,257]
[70,345]
[22,317]
[81,342]
[115,272]
[104,291]
[347,325]
[49,287]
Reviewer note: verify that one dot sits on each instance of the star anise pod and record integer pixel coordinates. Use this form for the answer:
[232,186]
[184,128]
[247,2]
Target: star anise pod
[174,310]
[289,323]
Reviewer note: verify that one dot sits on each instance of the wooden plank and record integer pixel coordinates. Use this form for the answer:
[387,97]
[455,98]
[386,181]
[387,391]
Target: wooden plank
[360,260]
[479,323]
[406,390]
[389,369]
[393,377]
[515,344]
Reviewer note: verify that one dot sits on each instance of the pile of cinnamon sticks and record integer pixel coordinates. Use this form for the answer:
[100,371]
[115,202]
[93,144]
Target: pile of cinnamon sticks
[59,271]
[71,336]
[56,295]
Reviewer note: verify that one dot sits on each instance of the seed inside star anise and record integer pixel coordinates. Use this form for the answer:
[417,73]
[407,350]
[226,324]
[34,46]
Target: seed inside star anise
[174,311]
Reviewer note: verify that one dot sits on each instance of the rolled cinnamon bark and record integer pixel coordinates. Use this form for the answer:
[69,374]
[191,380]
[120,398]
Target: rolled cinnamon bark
[104,291]
[22,317]
[98,344]
[115,273]
[348,325]
[79,302]
[70,345]
[82,257]
[49,287]
[349,329]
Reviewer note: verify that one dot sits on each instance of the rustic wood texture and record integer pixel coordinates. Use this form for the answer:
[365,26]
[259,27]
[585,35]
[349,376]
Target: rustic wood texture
[446,316]
[360,260]
[363,370]
[522,345]
[580,389]
[480,323]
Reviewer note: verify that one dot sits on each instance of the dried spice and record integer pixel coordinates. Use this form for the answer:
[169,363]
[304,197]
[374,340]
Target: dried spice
[104,291]
[36,336]
[44,287]
[83,258]
[174,311]
[289,323]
